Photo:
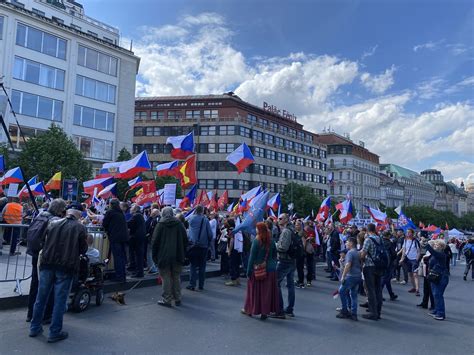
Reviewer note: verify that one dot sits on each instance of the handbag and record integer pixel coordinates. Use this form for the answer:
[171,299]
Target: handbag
[260,270]
[433,276]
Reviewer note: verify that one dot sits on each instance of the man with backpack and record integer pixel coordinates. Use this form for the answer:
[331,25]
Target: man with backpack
[468,252]
[35,239]
[289,246]
[375,265]
[389,245]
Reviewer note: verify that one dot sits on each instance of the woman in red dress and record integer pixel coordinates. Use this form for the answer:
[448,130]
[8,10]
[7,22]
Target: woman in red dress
[262,295]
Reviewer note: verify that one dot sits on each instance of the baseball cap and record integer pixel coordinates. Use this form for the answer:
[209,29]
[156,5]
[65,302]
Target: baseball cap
[75,206]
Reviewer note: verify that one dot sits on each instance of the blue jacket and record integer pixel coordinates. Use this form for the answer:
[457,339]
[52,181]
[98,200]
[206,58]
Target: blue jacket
[202,240]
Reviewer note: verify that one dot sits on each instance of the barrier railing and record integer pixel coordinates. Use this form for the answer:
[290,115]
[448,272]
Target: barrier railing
[15,264]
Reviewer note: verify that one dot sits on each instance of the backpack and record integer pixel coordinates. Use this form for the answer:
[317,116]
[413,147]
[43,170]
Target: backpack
[469,251]
[390,248]
[296,249]
[36,232]
[380,259]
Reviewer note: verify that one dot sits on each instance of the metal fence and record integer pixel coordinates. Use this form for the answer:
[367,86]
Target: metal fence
[15,263]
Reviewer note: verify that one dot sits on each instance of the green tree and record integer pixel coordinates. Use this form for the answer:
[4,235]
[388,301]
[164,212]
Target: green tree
[162,180]
[123,155]
[51,152]
[302,197]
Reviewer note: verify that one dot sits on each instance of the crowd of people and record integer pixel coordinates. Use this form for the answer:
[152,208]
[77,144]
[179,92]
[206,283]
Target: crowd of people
[363,261]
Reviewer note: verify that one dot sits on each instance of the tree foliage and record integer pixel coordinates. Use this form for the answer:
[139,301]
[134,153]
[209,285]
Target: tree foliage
[302,197]
[51,152]
[429,215]
[123,155]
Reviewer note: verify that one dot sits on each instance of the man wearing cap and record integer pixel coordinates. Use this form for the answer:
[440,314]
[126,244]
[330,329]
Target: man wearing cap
[66,240]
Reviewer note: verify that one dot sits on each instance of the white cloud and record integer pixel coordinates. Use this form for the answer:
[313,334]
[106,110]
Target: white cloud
[378,84]
[430,45]
[370,52]
[196,56]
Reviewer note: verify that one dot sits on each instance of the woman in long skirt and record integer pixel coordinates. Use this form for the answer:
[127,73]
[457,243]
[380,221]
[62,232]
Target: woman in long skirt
[262,295]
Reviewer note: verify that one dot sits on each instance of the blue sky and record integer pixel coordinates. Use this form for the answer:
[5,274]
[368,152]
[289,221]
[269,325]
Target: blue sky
[396,74]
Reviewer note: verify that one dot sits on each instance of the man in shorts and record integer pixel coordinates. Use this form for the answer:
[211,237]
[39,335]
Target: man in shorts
[411,251]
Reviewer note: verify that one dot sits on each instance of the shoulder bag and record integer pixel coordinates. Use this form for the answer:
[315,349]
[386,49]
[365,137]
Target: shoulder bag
[260,270]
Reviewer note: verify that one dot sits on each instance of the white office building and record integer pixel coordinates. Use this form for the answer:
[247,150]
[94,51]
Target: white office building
[60,66]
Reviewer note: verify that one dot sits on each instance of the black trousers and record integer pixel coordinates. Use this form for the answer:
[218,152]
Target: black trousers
[34,292]
[427,294]
[307,259]
[136,247]
[373,282]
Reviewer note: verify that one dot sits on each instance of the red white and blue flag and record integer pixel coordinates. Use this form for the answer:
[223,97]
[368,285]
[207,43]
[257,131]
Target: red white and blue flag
[108,192]
[100,184]
[134,182]
[274,202]
[12,176]
[36,189]
[188,200]
[316,235]
[167,169]
[251,194]
[324,209]
[131,168]
[183,146]
[377,215]
[241,157]
[346,210]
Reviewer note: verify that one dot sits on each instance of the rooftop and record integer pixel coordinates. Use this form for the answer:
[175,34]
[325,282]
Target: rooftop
[400,171]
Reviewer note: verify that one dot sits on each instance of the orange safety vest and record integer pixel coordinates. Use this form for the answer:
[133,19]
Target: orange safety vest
[13,213]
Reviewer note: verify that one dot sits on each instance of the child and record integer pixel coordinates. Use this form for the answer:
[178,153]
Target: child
[92,253]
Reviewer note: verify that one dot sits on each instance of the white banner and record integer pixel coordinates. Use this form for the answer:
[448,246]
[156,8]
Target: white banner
[169,194]
[12,190]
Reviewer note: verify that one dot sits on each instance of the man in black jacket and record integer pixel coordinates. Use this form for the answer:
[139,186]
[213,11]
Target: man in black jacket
[59,262]
[115,225]
[335,249]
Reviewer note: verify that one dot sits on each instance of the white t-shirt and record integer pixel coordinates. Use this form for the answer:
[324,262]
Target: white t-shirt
[213,223]
[411,248]
[454,250]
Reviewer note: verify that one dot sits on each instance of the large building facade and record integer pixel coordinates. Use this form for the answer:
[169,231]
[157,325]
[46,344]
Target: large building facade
[418,191]
[284,152]
[60,66]
[355,170]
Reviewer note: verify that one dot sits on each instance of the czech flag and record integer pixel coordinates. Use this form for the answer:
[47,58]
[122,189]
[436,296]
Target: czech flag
[134,182]
[24,191]
[187,172]
[183,146]
[167,169]
[54,183]
[189,198]
[108,191]
[133,167]
[378,216]
[36,189]
[100,184]
[223,200]
[274,202]
[12,176]
[252,193]
[324,209]
[346,211]
[241,157]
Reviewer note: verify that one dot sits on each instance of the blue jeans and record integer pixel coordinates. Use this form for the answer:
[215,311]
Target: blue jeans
[286,269]
[438,294]
[60,283]
[453,259]
[197,259]
[349,288]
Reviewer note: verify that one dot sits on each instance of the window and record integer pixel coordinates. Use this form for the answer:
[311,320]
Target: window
[193,114]
[92,118]
[225,147]
[210,114]
[298,147]
[138,131]
[206,184]
[340,175]
[290,174]
[1,27]
[152,131]
[96,60]
[227,130]
[157,115]
[279,142]
[259,152]
[271,171]
[40,41]
[299,161]
[257,135]
[252,119]
[331,163]
[243,185]
[271,154]
[344,162]
[309,163]
[39,74]
[95,89]
[340,189]
[281,172]
[348,175]
[245,132]
[225,184]
[208,130]
[280,156]
[289,144]
[37,106]
[211,148]
[291,159]
[268,138]
[174,114]
[94,148]
[258,169]
[141,115]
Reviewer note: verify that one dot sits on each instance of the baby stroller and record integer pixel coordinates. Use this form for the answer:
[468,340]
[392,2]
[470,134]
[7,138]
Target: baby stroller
[90,282]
